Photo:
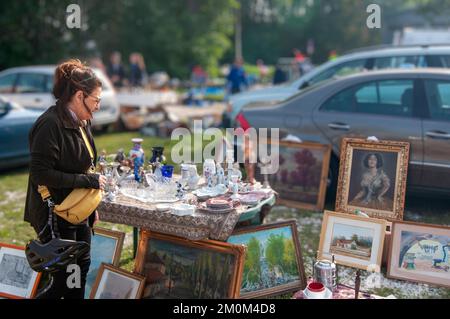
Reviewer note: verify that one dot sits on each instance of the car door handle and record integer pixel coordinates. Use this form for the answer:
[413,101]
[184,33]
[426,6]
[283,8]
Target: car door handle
[339,126]
[37,100]
[438,134]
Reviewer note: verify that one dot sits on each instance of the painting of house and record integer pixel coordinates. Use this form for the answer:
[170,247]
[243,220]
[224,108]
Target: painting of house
[352,241]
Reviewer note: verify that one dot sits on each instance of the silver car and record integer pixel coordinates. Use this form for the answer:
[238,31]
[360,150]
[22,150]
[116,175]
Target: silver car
[31,87]
[403,105]
[370,59]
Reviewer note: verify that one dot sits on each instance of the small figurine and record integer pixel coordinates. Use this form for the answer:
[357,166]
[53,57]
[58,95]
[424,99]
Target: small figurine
[180,191]
[102,157]
[220,174]
[264,167]
[120,156]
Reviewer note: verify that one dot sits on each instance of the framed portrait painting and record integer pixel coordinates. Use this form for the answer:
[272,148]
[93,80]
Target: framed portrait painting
[354,241]
[419,252]
[273,263]
[17,279]
[115,283]
[372,178]
[301,179]
[106,247]
[179,268]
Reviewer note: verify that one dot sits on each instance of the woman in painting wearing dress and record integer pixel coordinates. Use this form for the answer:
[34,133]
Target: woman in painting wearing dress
[374,185]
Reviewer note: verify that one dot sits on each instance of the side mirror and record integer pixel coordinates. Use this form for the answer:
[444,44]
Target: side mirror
[5,108]
[304,85]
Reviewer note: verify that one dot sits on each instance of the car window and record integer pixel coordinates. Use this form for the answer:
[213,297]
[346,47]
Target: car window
[7,83]
[30,83]
[438,61]
[438,96]
[406,62]
[345,68]
[48,84]
[388,97]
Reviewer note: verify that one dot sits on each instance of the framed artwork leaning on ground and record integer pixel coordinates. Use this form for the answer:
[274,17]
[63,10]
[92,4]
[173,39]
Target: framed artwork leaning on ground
[301,179]
[420,253]
[106,247]
[273,263]
[115,283]
[372,178]
[17,279]
[179,268]
[355,241]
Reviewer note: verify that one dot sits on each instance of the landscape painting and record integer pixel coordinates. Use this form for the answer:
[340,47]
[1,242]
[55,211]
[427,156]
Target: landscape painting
[352,241]
[420,252]
[302,175]
[177,268]
[273,264]
[106,247]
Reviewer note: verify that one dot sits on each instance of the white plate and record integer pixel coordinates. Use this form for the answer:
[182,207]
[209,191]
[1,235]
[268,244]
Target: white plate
[328,294]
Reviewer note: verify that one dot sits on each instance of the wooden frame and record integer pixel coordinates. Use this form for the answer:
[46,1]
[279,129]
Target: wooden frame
[343,255]
[118,235]
[294,285]
[156,274]
[386,208]
[119,238]
[319,203]
[105,267]
[34,277]
[435,255]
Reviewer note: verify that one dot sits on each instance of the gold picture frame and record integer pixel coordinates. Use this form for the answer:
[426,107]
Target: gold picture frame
[417,251]
[370,180]
[288,186]
[179,268]
[115,291]
[355,241]
[109,244]
[260,236]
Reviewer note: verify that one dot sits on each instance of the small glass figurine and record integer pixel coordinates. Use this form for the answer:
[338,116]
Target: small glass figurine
[264,167]
[220,174]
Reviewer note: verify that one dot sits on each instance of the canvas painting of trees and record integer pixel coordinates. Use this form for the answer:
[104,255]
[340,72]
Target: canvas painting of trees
[302,174]
[272,264]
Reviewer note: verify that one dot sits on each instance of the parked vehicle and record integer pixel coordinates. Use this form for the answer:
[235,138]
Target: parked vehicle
[402,105]
[364,59]
[15,123]
[32,86]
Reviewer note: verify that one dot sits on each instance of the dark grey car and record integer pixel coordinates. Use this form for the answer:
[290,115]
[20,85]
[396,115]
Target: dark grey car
[403,105]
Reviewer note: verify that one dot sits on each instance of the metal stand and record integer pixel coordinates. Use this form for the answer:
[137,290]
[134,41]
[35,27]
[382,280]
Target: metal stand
[357,283]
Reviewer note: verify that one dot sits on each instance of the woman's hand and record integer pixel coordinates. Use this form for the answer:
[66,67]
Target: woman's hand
[102,181]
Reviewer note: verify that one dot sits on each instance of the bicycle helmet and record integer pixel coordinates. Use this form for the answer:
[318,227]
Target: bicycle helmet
[54,255]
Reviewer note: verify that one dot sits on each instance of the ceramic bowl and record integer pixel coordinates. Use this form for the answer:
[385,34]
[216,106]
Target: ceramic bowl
[183,209]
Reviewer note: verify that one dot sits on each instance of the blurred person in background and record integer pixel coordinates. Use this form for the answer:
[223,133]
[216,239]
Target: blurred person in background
[116,70]
[198,75]
[97,63]
[138,73]
[237,79]
[279,75]
[262,69]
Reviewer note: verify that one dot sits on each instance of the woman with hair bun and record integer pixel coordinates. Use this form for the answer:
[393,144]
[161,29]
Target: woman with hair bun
[61,160]
[374,185]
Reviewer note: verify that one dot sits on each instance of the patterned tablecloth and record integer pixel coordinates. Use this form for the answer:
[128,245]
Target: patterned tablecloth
[201,225]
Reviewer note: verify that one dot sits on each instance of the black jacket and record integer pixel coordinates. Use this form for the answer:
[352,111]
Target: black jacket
[59,160]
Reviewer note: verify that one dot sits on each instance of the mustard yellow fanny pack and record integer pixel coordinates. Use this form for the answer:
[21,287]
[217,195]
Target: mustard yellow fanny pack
[81,202]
